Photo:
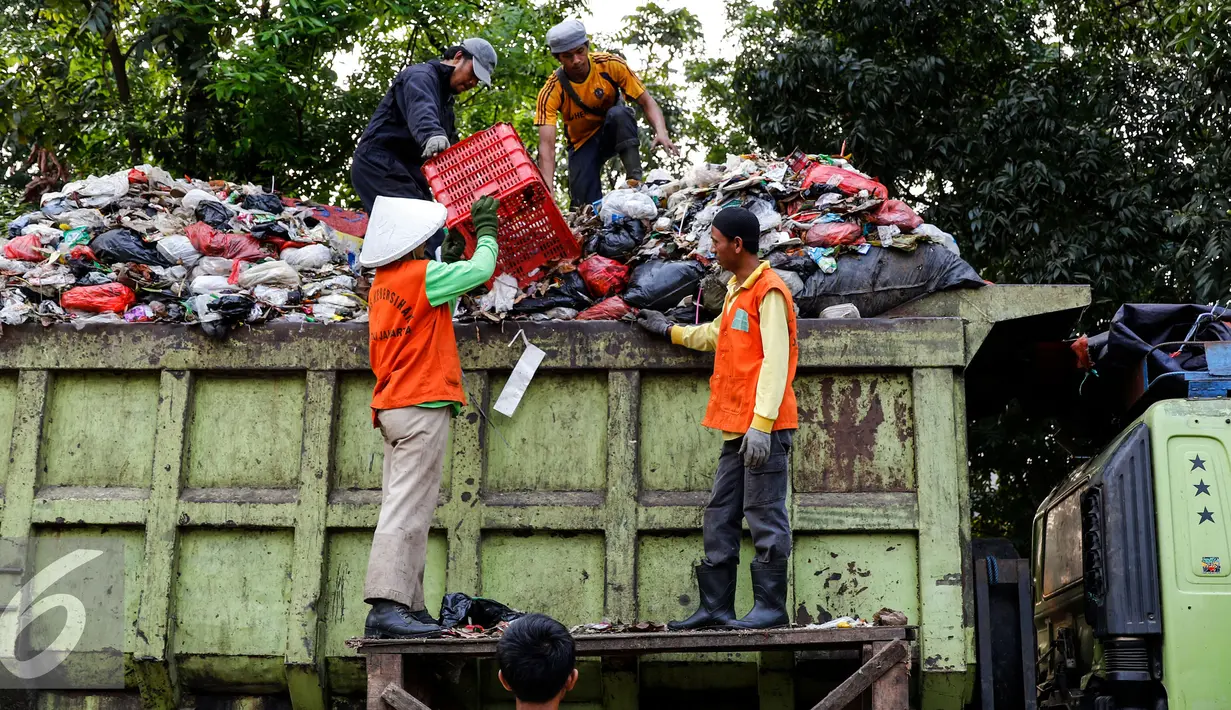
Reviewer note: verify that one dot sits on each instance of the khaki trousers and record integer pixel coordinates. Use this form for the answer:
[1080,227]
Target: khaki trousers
[415,440]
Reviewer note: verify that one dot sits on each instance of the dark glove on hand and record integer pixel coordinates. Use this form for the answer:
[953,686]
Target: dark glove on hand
[755,448]
[655,322]
[483,213]
[454,248]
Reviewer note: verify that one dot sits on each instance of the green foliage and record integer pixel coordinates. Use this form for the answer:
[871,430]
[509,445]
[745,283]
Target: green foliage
[242,89]
[1060,141]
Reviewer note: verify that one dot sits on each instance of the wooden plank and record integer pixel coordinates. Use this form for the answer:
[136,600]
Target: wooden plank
[892,690]
[642,643]
[887,658]
[384,670]
[399,699]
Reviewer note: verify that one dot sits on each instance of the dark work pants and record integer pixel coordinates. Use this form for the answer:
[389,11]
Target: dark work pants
[756,494]
[585,165]
[375,171]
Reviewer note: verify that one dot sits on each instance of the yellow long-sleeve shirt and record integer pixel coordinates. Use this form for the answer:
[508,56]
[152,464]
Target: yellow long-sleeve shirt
[775,341]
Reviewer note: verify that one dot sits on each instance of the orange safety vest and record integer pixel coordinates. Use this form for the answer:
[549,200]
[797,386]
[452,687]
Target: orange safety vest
[410,342]
[737,361]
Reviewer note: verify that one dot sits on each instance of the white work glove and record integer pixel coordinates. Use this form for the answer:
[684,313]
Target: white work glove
[755,448]
[434,146]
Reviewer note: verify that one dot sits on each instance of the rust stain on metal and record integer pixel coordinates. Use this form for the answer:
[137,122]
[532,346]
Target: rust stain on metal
[952,579]
[848,416]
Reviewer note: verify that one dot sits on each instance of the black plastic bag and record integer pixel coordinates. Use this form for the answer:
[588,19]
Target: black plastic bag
[457,609]
[801,264]
[213,213]
[234,310]
[263,202]
[120,245]
[884,279]
[569,293]
[271,230]
[661,285]
[619,241]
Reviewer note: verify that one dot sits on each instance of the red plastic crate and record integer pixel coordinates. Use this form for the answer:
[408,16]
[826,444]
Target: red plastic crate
[495,162]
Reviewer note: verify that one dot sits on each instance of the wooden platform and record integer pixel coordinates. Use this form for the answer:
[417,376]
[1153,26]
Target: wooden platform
[884,675]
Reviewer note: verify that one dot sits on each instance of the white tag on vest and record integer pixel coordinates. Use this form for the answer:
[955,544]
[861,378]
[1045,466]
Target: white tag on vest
[520,378]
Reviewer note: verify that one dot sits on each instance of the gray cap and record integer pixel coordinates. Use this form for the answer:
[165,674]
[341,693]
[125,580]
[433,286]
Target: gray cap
[566,36]
[484,58]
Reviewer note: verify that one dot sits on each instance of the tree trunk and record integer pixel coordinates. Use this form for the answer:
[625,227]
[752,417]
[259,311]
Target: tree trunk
[119,67]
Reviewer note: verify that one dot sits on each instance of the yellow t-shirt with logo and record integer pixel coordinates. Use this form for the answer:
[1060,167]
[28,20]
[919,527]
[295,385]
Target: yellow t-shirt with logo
[596,91]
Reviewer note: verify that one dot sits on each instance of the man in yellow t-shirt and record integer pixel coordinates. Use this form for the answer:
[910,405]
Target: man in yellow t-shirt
[586,91]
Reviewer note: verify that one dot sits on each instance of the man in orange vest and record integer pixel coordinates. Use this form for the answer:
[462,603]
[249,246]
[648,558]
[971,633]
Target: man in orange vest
[418,391]
[753,405]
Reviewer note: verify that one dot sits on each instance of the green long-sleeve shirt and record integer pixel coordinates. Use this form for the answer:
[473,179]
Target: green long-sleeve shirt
[445,283]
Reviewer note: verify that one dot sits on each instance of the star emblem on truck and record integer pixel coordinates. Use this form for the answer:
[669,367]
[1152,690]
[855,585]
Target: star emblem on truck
[1197,463]
[1202,487]
[1206,515]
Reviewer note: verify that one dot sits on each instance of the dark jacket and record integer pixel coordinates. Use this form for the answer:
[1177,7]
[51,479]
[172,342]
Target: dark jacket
[418,105]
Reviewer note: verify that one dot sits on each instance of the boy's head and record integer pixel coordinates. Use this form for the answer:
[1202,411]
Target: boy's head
[536,658]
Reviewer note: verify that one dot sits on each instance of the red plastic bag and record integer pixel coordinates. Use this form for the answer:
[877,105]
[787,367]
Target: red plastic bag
[604,277]
[613,308]
[832,234]
[25,248]
[82,252]
[845,180]
[895,213]
[99,299]
[230,246]
[136,177]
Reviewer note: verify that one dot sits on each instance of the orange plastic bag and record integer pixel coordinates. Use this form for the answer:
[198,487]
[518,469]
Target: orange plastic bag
[99,299]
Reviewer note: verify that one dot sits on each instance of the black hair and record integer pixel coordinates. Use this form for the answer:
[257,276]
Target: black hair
[451,52]
[536,657]
[739,223]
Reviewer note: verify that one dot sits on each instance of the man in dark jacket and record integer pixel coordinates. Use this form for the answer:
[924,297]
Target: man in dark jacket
[415,122]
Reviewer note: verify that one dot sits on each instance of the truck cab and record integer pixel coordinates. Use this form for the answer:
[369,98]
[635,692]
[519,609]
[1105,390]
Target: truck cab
[1131,561]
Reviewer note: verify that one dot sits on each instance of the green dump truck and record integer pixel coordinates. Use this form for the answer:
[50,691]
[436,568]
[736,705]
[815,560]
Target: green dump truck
[243,479]
[1132,588]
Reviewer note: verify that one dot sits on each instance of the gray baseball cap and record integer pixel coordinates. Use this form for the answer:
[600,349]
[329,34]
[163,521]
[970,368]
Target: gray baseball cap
[484,58]
[566,36]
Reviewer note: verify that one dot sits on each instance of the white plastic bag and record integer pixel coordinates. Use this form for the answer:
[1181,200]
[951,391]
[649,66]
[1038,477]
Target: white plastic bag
[269,273]
[500,298]
[206,285]
[103,191]
[628,203]
[767,215]
[313,256]
[196,197]
[179,250]
[213,266]
[272,295]
[946,239]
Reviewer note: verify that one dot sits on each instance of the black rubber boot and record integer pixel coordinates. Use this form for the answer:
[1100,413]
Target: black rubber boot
[769,594]
[390,620]
[630,157]
[717,591]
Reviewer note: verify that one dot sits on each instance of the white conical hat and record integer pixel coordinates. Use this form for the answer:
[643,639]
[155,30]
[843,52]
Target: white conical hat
[397,226]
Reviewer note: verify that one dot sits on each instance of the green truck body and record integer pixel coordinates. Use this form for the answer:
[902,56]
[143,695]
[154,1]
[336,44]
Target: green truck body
[1187,584]
[243,478]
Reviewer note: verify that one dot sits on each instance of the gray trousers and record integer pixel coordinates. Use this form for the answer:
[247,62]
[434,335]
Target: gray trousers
[756,494]
[415,440]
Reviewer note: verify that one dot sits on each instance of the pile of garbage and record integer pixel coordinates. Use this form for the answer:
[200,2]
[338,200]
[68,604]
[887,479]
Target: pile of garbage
[141,246]
[831,232]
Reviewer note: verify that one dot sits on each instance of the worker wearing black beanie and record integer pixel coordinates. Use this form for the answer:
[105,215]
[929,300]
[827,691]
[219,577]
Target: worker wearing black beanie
[753,405]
